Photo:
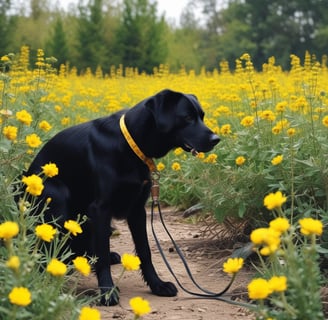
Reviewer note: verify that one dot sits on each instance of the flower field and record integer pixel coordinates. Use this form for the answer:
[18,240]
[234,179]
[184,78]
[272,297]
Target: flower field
[273,126]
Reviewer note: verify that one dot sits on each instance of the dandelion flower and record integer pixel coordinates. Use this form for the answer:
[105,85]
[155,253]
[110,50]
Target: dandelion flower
[139,306]
[73,227]
[46,232]
[211,158]
[160,166]
[274,200]
[8,230]
[278,284]
[240,160]
[34,185]
[258,289]
[24,117]
[13,263]
[56,268]
[277,160]
[45,126]
[325,121]
[311,226]
[10,132]
[225,129]
[20,296]
[233,265]
[82,265]
[33,140]
[266,237]
[130,262]
[176,166]
[88,313]
[247,121]
[291,132]
[178,151]
[50,170]
[280,224]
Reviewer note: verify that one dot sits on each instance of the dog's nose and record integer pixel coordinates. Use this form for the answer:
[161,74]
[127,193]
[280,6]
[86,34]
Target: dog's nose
[214,139]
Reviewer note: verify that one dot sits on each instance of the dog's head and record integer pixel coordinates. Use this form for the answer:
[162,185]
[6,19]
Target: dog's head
[179,118]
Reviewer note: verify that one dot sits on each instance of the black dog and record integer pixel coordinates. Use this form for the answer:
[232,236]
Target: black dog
[100,176]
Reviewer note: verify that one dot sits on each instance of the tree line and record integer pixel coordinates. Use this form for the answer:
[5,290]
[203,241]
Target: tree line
[132,33]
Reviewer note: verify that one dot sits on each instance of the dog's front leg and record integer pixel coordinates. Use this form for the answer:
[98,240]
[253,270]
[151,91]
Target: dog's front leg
[102,232]
[137,225]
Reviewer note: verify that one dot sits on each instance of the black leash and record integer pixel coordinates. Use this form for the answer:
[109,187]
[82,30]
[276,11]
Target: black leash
[205,293]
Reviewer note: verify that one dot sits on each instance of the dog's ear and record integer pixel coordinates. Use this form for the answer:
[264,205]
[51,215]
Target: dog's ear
[162,106]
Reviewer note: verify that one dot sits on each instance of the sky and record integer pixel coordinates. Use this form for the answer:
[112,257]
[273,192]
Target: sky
[171,8]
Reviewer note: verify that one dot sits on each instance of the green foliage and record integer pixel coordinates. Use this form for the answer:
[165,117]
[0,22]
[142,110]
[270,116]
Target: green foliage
[91,47]
[52,297]
[57,45]
[139,38]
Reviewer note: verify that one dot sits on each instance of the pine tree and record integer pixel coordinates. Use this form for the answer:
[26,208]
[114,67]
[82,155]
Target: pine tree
[140,37]
[57,44]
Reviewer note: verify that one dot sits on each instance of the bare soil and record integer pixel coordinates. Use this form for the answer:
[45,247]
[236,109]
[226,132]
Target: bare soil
[205,258]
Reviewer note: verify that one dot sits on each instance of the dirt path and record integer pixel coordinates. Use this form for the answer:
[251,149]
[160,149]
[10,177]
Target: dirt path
[204,263]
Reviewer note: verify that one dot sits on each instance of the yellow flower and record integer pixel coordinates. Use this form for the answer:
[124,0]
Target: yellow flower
[277,160]
[56,268]
[274,200]
[82,265]
[281,106]
[34,184]
[276,130]
[46,232]
[211,158]
[13,263]
[280,224]
[258,289]
[45,126]
[130,262]
[65,121]
[50,170]
[88,313]
[233,265]
[176,166]
[160,166]
[33,140]
[178,151]
[8,230]
[225,129]
[240,160]
[278,284]
[247,121]
[24,117]
[200,155]
[5,59]
[20,296]
[73,227]
[267,115]
[10,132]
[291,132]
[268,237]
[310,226]
[325,121]
[139,306]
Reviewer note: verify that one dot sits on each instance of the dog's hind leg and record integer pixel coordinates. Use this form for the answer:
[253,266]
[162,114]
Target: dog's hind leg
[137,225]
[101,249]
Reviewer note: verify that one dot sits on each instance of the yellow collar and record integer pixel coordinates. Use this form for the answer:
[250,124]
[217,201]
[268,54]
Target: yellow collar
[148,161]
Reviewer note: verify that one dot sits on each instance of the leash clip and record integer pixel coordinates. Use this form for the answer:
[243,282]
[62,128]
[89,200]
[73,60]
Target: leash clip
[155,175]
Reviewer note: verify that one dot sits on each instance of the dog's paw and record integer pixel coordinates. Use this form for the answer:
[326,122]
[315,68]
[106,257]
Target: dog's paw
[110,297]
[114,258]
[164,289]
